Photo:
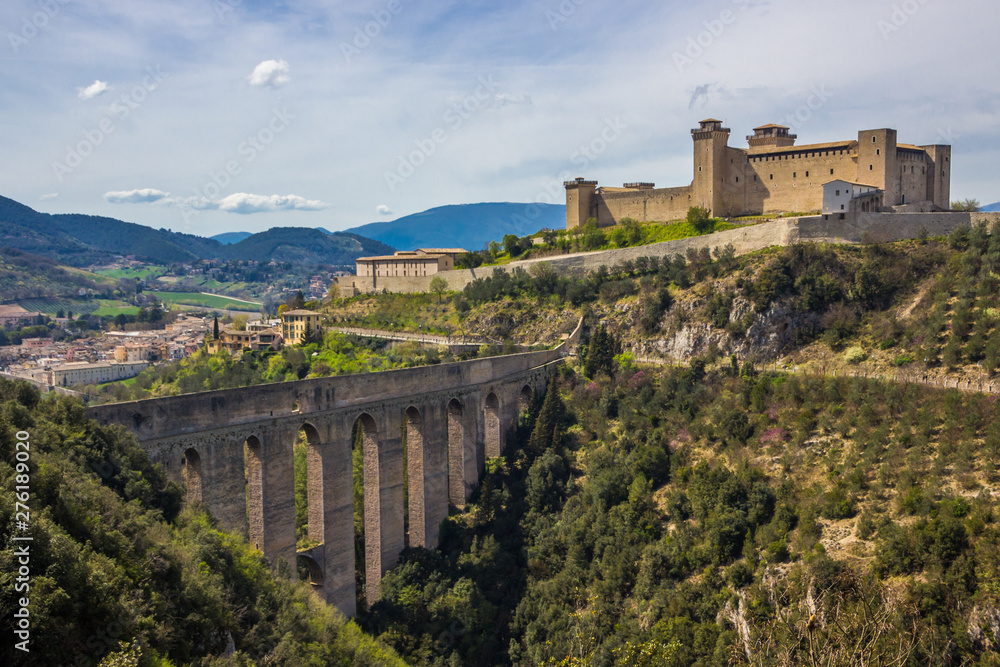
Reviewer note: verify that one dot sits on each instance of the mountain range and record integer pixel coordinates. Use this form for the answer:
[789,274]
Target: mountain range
[990,208]
[84,240]
[469,226]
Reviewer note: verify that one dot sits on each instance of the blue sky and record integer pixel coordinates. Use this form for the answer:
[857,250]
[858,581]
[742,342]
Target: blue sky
[206,116]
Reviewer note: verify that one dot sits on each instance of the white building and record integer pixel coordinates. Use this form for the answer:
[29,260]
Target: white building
[837,195]
[68,375]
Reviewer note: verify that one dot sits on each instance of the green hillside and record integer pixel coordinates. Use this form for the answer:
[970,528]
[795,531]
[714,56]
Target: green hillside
[83,240]
[301,245]
[23,275]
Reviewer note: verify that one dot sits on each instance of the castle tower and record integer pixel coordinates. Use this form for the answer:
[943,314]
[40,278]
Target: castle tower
[771,135]
[877,163]
[579,202]
[939,175]
[710,143]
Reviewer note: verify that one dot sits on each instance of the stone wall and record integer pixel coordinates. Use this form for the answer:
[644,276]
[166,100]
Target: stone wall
[820,229]
[233,449]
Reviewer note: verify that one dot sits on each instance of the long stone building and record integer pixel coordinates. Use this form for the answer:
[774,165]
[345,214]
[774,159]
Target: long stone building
[773,175]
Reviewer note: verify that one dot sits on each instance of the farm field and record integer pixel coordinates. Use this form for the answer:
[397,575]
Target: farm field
[206,301]
[144,273]
[99,307]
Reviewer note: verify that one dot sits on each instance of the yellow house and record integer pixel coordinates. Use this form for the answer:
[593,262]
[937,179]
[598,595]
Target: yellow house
[295,322]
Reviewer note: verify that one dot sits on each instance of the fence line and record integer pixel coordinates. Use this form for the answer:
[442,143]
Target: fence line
[418,338]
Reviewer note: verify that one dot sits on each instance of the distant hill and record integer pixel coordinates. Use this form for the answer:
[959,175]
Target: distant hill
[229,238]
[301,245]
[469,226]
[83,240]
[990,208]
[26,276]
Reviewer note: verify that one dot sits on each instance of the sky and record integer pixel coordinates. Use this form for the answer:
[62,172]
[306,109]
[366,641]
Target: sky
[211,116]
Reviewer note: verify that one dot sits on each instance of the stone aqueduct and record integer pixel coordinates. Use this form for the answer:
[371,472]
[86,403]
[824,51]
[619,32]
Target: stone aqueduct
[233,450]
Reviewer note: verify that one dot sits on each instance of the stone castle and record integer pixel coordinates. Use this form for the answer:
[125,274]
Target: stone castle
[773,175]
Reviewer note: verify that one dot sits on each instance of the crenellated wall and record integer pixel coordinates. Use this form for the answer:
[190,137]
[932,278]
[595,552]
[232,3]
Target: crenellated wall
[233,449]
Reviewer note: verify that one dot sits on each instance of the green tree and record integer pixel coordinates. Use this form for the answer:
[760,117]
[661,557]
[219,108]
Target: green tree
[550,426]
[439,286]
[970,205]
[215,329]
[601,352]
[699,218]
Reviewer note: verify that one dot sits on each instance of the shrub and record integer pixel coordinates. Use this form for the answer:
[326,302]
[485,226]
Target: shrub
[855,355]
[902,360]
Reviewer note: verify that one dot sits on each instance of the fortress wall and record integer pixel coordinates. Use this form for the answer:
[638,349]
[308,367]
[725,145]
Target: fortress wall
[879,227]
[791,189]
[744,240]
[992,218]
[654,205]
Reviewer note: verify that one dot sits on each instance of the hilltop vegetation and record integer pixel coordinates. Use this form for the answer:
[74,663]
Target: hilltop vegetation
[27,276]
[716,516]
[922,307]
[117,567]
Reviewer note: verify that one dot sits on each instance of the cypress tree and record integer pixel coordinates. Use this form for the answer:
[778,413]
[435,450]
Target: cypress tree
[550,425]
[215,328]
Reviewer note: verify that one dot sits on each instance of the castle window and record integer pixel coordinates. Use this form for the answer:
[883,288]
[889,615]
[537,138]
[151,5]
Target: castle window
[737,179]
[807,174]
[795,174]
[838,193]
[699,168]
[873,140]
[871,167]
[755,178]
[831,172]
[772,177]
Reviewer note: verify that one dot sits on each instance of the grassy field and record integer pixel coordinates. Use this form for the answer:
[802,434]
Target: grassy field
[99,307]
[206,301]
[144,273]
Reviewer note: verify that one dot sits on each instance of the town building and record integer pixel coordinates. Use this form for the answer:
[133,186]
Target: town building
[295,324]
[15,317]
[772,176]
[420,262]
[235,340]
[67,375]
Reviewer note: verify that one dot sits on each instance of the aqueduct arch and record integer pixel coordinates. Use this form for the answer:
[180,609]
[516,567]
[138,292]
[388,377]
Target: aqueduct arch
[233,450]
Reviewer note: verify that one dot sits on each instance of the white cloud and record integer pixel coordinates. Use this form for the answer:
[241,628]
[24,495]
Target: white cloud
[47,197]
[244,203]
[272,73]
[140,196]
[93,90]
[382,209]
